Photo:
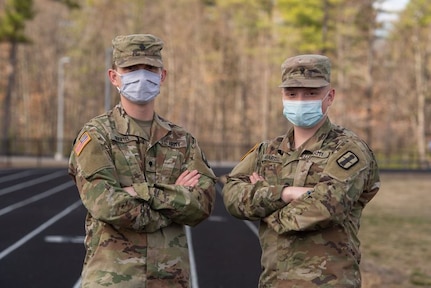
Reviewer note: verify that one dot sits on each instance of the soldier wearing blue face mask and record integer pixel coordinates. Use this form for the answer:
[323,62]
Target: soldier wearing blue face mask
[307,187]
[141,179]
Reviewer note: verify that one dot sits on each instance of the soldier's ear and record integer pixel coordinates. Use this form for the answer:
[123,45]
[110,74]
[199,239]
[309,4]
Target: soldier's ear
[331,96]
[114,77]
[163,75]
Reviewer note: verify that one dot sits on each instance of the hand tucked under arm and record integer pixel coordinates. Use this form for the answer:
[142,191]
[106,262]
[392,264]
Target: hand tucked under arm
[131,191]
[188,201]
[253,199]
[188,178]
[254,177]
[288,194]
[107,202]
[291,193]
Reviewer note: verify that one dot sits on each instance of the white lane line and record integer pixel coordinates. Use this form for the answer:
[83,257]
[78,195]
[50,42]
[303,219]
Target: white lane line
[31,182]
[39,229]
[193,270]
[64,239]
[252,227]
[36,198]
[78,283]
[216,218]
[15,176]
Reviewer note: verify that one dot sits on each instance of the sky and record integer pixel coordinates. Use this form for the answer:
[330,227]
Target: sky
[392,5]
[395,4]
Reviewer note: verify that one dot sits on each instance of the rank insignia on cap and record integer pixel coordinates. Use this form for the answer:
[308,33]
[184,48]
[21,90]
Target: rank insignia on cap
[82,141]
[348,160]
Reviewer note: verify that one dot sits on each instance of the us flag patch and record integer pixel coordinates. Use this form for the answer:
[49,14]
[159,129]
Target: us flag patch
[348,160]
[82,141]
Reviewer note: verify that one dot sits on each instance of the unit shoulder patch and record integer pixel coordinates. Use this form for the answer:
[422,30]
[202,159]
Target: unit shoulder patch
[347,160]
[81,143]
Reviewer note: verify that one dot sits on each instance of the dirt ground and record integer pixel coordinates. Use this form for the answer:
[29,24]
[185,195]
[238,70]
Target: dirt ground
[396,233]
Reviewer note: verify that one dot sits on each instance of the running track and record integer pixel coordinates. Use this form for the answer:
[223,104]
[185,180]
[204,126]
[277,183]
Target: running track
[42,233]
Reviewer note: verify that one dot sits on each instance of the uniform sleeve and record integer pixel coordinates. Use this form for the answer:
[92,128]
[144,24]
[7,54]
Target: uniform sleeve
[93,171]
[348,182]
[248,201]
[187,205]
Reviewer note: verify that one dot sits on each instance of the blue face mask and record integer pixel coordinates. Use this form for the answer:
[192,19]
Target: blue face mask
[140,86]
[304,114]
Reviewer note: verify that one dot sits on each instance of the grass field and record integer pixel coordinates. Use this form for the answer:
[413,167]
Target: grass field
[396,233]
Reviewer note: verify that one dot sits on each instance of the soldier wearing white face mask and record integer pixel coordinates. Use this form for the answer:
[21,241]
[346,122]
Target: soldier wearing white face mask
[140,86]
[141,178]
[307,187]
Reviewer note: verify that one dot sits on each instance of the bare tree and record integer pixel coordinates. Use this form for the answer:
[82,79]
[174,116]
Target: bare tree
[12,31]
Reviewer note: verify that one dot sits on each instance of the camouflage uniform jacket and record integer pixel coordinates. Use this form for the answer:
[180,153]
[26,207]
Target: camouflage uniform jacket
[138,241]
[313,240]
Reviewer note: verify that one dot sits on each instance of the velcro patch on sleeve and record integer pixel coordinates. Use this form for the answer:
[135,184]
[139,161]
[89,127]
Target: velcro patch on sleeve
[347,160]
[93,155]
[81,143]
[250,151]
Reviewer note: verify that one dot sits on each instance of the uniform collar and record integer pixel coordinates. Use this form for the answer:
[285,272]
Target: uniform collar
[127,126]
[312,144]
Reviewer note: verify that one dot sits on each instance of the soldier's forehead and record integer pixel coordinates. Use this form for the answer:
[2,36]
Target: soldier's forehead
[304,88]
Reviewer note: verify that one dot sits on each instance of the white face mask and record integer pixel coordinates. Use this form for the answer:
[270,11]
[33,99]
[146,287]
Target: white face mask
[140,86]
[304,114]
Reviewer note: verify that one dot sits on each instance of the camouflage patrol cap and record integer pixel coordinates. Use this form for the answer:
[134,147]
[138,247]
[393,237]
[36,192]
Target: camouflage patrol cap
[136,49]
[306,71]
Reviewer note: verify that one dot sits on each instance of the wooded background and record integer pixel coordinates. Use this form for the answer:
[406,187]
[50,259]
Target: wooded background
[223,59]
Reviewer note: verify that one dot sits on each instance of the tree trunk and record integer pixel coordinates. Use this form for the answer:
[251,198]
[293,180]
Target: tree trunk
[8,98]
[420,120]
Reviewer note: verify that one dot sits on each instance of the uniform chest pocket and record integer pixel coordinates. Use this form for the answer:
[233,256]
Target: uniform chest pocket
[310,168]
[169,160]
[127,158]
[270,168]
